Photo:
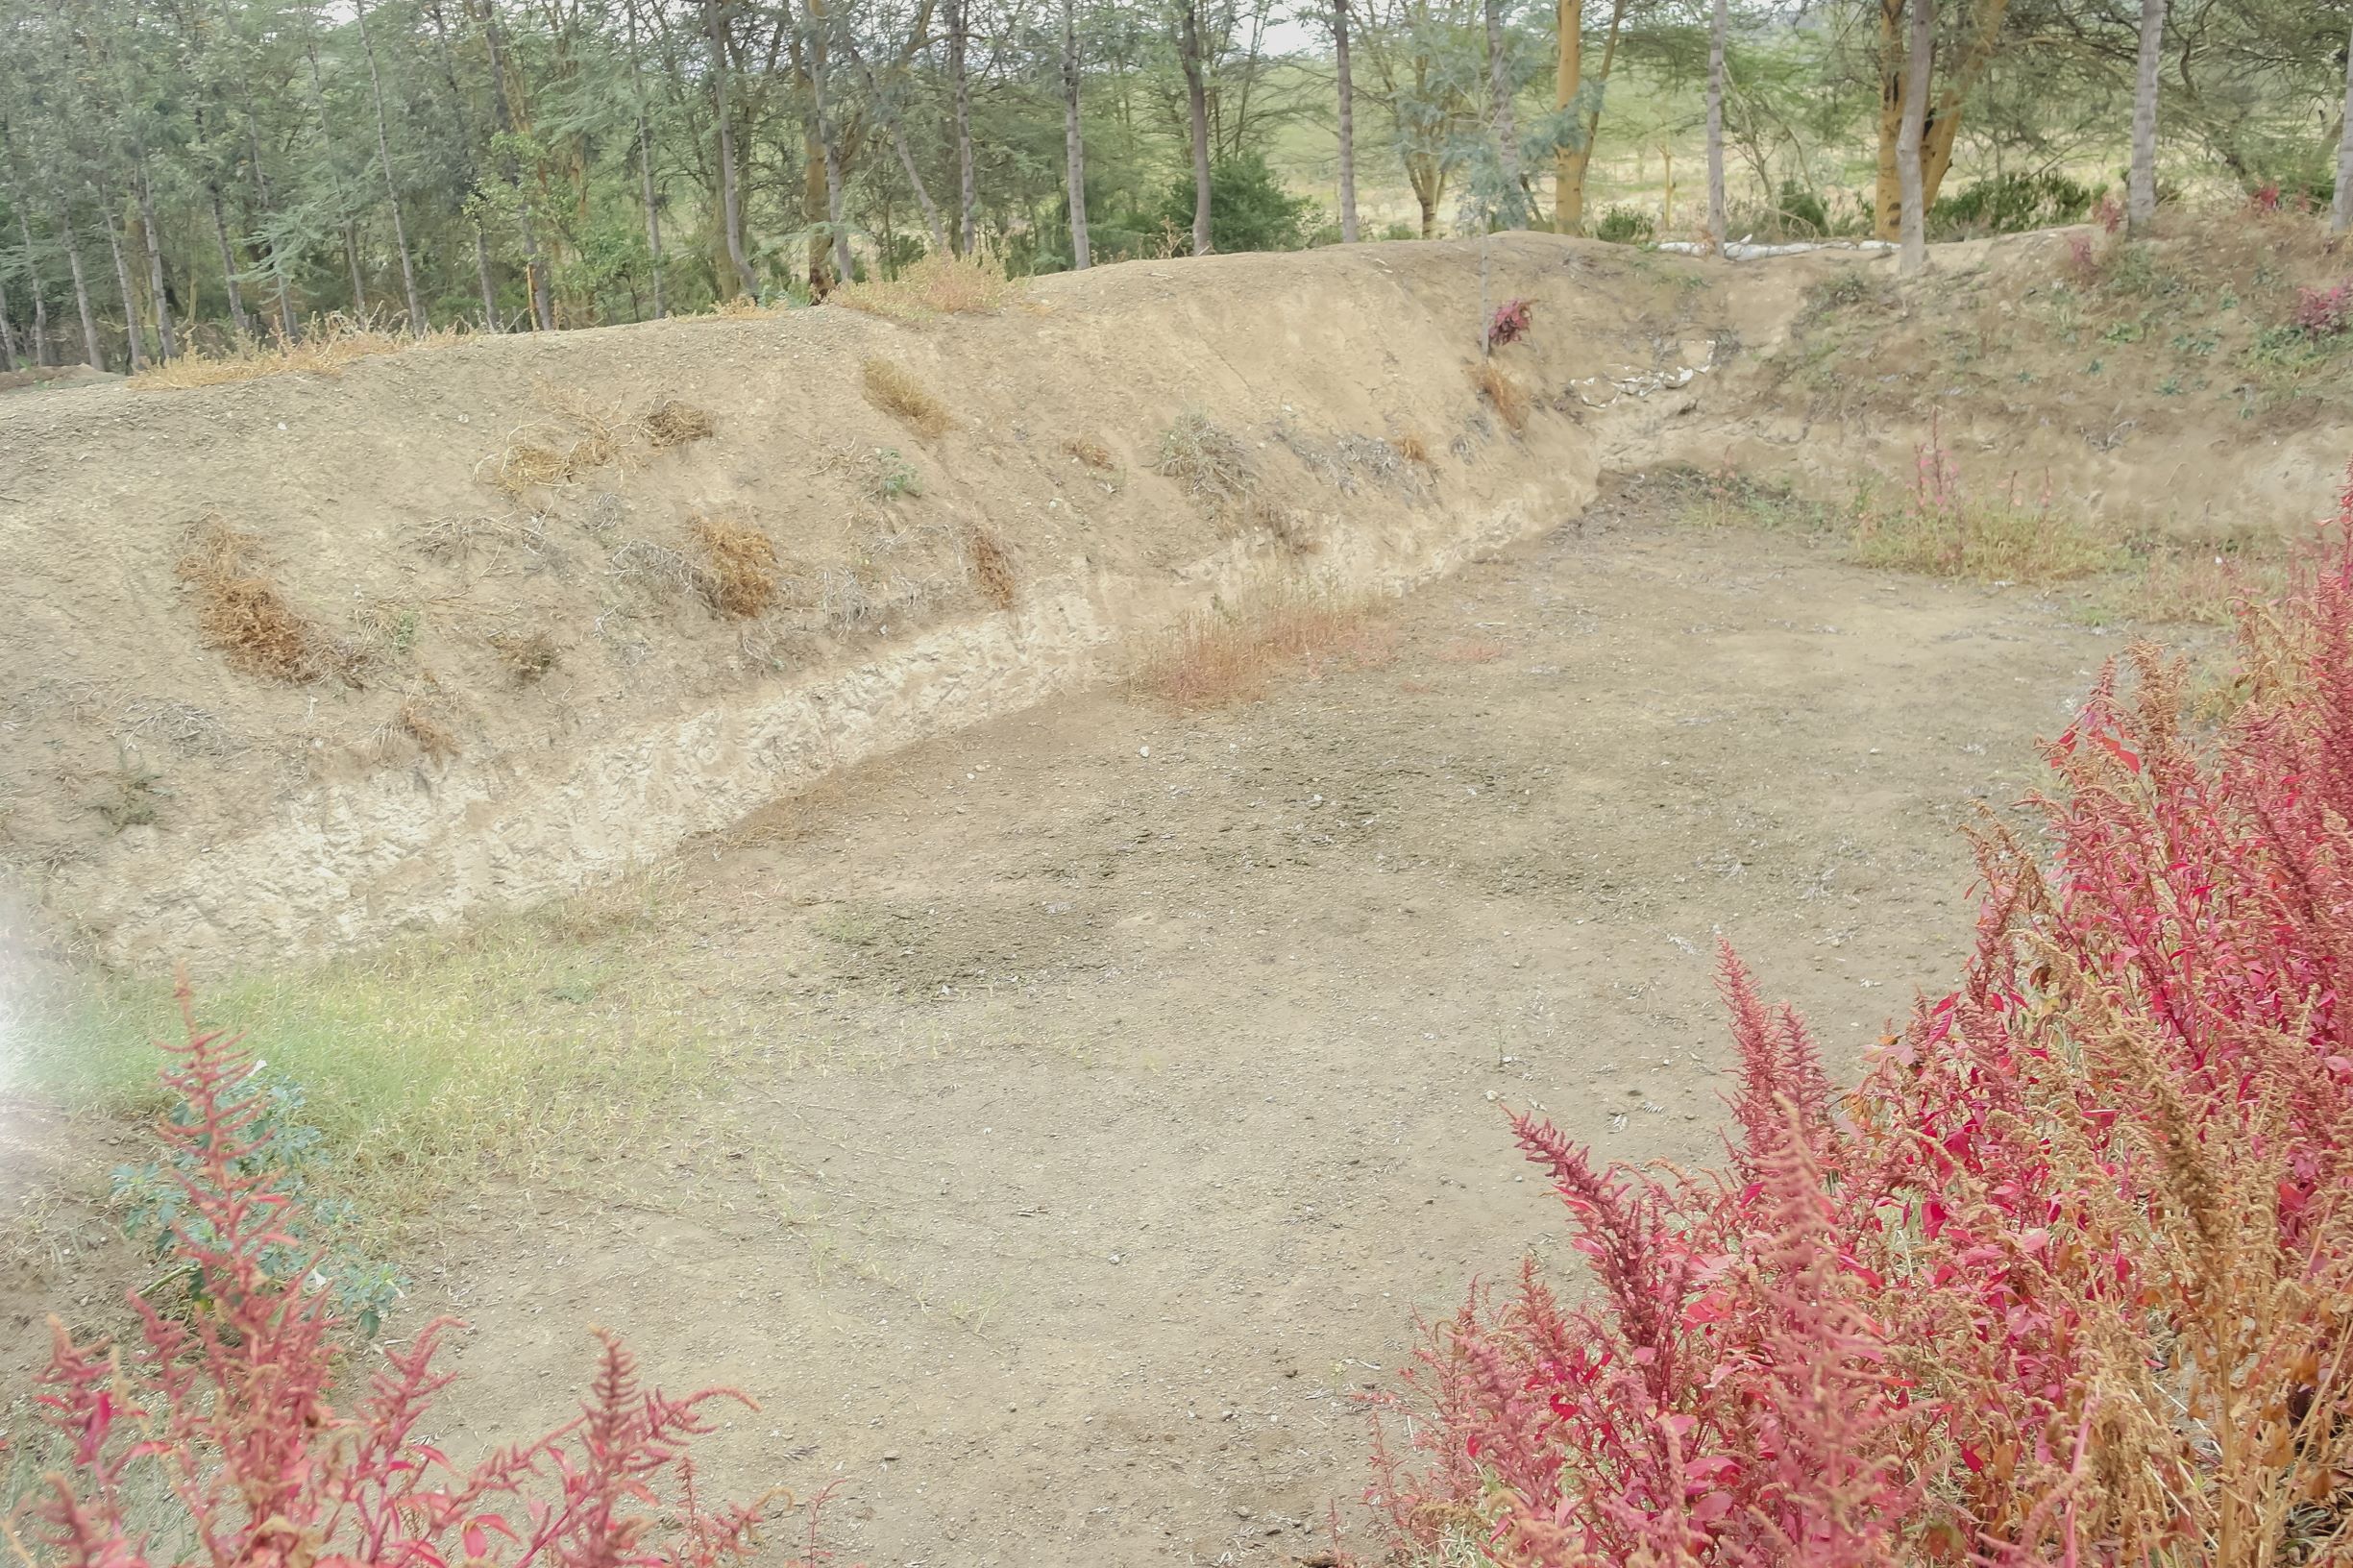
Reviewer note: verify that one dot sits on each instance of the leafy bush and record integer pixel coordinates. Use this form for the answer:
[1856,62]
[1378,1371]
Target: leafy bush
[1803,210]
[1624,226]
[1249,209]
[229,1417]
[2008,204]
[1401,230]
[2066,1279]
[317,1234]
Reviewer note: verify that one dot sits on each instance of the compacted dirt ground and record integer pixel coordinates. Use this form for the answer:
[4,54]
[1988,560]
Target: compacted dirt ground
[1115,1086]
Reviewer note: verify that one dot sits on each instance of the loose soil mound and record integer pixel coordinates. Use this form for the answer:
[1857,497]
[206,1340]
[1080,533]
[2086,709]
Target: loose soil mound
[527,660]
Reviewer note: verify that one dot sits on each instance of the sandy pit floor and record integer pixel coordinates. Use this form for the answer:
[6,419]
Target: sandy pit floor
[1115,1086]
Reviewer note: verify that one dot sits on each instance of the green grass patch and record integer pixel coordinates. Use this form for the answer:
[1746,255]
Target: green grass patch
[519,1047]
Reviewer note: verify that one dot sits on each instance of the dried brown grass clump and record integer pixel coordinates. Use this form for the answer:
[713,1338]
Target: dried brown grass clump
[1506,396]
[670,423]
[1208,459]
[242,613]
[433,737]
[329,344]
[893,389]
[1221,659]
[583,438]
[1092,453]
[741,579]
[1411,447]
[992,569]
[527,655]
[741,308]
[936,285]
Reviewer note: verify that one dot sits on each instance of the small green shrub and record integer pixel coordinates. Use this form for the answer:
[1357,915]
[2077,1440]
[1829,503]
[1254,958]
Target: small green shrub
[1624,226]
[1249,209]
[2008,204]
[281,1153]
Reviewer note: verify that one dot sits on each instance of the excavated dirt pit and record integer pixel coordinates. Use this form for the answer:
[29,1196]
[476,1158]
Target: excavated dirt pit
[1152,1064]
[1106,1090]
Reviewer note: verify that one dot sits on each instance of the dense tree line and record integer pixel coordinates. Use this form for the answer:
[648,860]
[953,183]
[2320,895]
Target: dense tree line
[178,174]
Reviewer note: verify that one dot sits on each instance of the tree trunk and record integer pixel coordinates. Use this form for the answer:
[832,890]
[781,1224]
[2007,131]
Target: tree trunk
[1571,200]
[7,333]
[2141,186]
[131,333]
[1196,103]
[90,352]
[2340,208]
[326,146]
[468,170]
[1510,209]
[1349,230]
[261,188]
[1914,257]
[417,322]
[167,343]
[1718,222]
[959,38]
[1074,141]
[829,141]
[24,234]
[1568,185]
[645,165]
[731,215]
[503,101]
[229,262]
[1943,119]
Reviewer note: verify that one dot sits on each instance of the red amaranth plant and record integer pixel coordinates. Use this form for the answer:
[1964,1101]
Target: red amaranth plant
[1510,323]
[2067,1279]
[2323,312]
[230,1415]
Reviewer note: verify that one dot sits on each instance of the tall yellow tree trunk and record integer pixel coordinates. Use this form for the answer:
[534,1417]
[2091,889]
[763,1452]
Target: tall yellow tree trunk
[1944,122]
[1568,182]
[1570,193]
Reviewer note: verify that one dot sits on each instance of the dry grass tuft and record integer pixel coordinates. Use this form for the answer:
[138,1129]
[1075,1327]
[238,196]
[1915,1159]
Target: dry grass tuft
[670,423]
[431,736]
[741,580]
[895,390]
[936,285]
[1506,396]
[993,571]
[332,343]
[1411,447]
[527,655]
[2202,585]
[1092,453]
[1221,659]
[242,613]
[1208,459]
[741,308]
[1946,528]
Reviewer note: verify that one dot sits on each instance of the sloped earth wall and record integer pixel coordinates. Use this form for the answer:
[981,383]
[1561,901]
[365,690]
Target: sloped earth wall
[533,692]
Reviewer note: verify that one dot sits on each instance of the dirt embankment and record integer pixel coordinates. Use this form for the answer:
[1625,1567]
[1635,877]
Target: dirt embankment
[300,662]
